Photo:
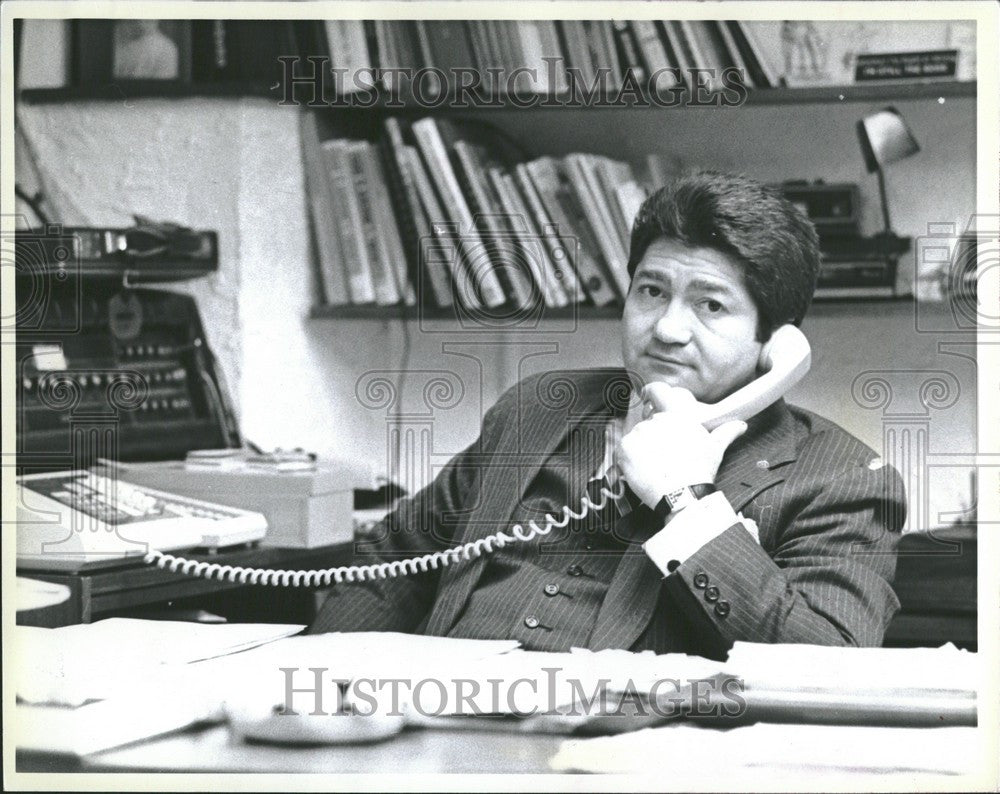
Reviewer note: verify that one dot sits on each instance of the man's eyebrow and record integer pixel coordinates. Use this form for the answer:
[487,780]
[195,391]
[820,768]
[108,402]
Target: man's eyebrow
[711,286]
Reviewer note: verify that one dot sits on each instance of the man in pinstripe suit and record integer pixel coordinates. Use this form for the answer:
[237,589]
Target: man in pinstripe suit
[778,529]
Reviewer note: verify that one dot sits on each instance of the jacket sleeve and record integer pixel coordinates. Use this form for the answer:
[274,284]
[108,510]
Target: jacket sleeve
[823,577]
[422,524]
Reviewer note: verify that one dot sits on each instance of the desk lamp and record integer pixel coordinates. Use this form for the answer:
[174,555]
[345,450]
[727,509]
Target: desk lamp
[885,139]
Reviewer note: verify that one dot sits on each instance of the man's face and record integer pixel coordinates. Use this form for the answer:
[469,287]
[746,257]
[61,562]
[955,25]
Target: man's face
[690,321]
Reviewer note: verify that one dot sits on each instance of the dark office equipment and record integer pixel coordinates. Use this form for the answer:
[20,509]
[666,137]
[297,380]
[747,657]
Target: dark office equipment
[148,251]
[109,372]
[852,265]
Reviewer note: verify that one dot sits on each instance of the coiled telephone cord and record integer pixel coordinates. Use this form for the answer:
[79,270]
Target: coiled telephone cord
[383,570]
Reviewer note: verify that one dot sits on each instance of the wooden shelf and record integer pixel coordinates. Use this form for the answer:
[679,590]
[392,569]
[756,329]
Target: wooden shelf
[864,92]
[142,89]
[612,312]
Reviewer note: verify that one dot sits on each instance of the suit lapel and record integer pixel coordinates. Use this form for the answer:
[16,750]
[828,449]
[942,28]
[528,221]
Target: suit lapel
[547,409]
[631,598]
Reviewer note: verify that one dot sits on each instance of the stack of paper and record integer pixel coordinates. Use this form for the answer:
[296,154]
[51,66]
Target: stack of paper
[89,687]
[874,686]
[703,757]
[72,665]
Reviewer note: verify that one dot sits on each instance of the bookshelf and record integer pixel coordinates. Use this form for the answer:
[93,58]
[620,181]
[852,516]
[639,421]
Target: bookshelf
[757,49]
[881,92]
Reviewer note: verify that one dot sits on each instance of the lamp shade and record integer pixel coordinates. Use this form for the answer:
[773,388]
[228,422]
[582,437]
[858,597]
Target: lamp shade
[885,138]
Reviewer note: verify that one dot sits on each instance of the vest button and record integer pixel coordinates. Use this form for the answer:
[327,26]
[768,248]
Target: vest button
[531,622]
[701,580]
[722,609]
[712,594]
[551,589]
[574,570]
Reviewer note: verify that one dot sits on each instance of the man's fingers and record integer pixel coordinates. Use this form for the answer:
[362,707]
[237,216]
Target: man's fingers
[664,397]
[726,434]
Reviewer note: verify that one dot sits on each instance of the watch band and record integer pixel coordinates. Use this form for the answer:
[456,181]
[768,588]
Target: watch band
[680,498]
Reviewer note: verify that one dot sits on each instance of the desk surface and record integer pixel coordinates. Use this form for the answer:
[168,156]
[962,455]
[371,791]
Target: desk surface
[418,751]
[423,751]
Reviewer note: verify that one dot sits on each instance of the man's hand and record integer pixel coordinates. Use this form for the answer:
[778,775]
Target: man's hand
[670,449]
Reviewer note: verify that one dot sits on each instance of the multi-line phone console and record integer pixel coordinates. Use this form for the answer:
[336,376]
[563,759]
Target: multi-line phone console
[74,519]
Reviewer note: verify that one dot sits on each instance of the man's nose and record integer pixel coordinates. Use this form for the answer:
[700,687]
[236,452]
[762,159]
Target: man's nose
[674,324]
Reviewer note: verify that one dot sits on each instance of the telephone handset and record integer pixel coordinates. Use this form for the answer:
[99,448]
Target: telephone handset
[784,360]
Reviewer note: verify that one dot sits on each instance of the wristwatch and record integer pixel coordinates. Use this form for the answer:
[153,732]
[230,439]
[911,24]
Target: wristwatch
[676,500]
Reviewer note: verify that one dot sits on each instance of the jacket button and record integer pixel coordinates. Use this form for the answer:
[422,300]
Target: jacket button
[574,570]
[551,589]
[712,594]
[701,580]
[531,622]
[722,609]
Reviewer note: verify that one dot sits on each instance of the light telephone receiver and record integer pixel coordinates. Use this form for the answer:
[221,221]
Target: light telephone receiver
[784,360]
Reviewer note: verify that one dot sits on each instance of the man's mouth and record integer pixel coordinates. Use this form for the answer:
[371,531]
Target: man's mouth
[662,359]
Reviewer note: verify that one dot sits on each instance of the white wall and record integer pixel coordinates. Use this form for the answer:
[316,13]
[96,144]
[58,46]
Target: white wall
[234,165]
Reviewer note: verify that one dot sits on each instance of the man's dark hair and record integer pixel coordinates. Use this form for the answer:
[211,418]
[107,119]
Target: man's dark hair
[775,242]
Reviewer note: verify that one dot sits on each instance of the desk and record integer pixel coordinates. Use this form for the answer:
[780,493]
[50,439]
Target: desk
[412,752]
[124,588]
[421,751]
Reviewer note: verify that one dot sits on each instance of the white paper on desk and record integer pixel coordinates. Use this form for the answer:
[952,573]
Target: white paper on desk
[104,724]
[75,664]
[533,682]
[789,667]
[690,753]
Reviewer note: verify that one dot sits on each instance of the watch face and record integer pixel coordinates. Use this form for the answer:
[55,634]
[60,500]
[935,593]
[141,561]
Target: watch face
[681,498]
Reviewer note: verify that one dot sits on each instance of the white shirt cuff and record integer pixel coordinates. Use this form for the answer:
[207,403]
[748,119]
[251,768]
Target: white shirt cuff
[690,529]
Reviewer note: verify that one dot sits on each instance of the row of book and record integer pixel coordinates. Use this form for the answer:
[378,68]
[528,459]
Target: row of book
[538,53]
[432,214]
[60,53]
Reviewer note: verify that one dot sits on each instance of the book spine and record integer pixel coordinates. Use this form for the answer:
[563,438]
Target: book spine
[530,37]
[532,249]
[628,51]
[413,225]
[654,53]
[383,277]
[583,182]
[577,50]
[357,268]
[446,269]
[391,247]
[673,38]
[323,211]
[564,213]
[629,196]
[425,52]
[559,254]
[555,75]
[735,54]
[429,140]
[611,173]
[471,175]
[610,41]
[701,55]
[760,54]
[388,55]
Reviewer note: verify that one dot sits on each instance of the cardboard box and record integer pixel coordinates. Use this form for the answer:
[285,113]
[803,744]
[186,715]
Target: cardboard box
[304,509]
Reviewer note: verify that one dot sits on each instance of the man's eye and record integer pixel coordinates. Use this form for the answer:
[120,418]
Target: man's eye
[712,306]
[650,290]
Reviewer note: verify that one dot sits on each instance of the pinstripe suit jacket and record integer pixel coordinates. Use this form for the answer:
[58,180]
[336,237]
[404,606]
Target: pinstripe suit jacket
[826,509]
